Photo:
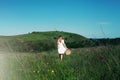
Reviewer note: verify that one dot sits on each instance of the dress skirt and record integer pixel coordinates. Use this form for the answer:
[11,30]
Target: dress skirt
[61,47]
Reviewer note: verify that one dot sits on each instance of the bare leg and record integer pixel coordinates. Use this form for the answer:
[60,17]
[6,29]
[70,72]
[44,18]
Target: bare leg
[61,56]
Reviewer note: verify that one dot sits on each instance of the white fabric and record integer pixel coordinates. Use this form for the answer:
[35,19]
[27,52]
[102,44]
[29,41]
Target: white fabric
[61,47]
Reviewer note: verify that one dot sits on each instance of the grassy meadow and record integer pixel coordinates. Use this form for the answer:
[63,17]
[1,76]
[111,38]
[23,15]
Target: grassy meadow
[34,56]
[97,63]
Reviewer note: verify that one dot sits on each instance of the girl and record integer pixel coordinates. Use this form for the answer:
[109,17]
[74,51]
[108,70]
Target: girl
[61,47]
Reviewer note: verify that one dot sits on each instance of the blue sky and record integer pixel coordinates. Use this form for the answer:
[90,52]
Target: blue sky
[90,18]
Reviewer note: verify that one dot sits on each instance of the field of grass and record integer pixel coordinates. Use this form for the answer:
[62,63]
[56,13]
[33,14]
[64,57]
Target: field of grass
[42,41]
[19,62]
[97,63]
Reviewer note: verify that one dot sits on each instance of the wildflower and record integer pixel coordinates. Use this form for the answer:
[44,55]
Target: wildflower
[52,71]
[34,71]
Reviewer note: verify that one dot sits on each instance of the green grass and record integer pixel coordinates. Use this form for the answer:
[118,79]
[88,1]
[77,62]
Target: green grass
[42,41]
[97,63]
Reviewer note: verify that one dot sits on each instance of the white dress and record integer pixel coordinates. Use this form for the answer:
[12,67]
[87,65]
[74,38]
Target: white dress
[61,47]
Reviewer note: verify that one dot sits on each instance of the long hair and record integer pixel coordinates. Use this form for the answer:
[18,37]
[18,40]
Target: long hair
[59,38]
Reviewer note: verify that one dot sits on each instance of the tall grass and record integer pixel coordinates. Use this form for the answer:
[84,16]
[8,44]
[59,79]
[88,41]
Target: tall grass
[97,63]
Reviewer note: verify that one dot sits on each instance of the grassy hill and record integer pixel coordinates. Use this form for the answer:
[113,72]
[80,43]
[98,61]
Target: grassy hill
[43,41]
[93,63]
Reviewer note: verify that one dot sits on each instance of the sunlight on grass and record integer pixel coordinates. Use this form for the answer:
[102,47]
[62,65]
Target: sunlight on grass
[97,63]
[2,66]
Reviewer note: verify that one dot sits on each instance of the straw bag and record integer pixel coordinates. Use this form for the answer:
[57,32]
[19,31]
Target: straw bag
[68,52]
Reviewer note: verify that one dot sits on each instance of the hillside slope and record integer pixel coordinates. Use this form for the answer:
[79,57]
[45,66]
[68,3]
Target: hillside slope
[43,41]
